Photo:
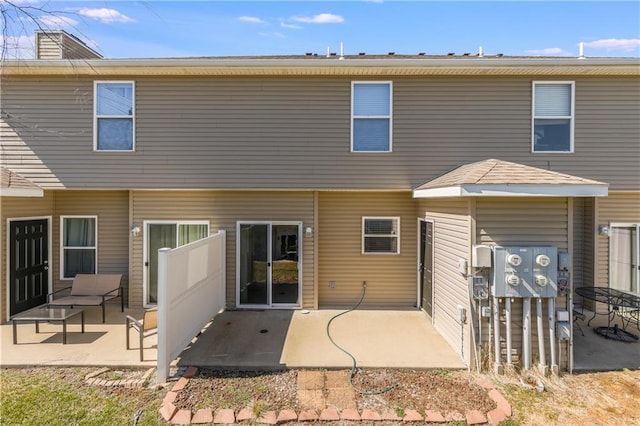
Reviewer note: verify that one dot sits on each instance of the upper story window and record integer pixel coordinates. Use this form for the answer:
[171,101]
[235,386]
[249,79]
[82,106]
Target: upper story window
[371,109]
[114,126]
[553,115]
[380,235]
[78,245]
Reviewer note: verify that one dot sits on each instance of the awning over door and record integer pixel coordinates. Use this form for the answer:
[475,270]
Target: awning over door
[498,178]
[14,185]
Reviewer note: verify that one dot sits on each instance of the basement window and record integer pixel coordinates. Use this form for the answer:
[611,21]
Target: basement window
[380,235]
[114,126]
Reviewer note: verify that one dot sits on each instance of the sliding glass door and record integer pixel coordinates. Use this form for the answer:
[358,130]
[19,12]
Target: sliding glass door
[268,264]
[624,259]
[166,235]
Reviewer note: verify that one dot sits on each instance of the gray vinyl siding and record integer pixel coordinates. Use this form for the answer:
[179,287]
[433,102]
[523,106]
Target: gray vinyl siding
[579,248]
[451,242]
[391,278]
[48,46]
[222,209]
[590,236]
[112,210]
[524,222]
[617,207]
[294,132]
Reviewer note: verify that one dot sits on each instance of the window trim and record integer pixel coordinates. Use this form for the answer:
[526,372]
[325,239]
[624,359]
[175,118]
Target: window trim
[96,117]
[389,117]
[63,247]
[363,236]
[571,117]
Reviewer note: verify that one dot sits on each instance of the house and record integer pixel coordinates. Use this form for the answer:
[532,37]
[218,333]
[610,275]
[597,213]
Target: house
[325,172]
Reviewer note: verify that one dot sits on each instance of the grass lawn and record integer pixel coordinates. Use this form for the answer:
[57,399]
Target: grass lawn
[59,396]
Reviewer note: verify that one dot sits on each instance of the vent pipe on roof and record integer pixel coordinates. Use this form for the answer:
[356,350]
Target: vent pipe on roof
[581,54]
[480,52]
[328,52]
[341,51]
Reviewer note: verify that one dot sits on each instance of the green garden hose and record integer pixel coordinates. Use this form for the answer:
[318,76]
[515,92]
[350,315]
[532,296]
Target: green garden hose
[354,368]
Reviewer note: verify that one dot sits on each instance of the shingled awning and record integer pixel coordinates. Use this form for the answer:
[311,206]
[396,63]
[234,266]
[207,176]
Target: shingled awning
[14,185]
[498,178]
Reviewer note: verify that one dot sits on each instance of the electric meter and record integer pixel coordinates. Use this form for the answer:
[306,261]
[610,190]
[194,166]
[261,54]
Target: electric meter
[513,280]
[541,280]
[543,260]
[514,259]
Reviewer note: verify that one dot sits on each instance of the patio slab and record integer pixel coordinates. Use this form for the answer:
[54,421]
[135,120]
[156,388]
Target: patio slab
[100,345]
[593,352]
[274,339]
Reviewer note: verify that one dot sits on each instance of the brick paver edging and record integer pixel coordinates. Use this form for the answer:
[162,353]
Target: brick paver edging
[94,379]
[172,414]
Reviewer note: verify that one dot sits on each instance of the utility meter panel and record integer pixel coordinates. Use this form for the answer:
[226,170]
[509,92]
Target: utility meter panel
[525,272]
[545,271]
[512,272]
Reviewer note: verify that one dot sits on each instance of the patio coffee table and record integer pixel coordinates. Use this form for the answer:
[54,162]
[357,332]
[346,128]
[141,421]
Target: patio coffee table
[46,313]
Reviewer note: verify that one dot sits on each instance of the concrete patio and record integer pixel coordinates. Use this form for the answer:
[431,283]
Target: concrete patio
[298,339]
[274,339]
[270,339]
[593,352]
[100,345]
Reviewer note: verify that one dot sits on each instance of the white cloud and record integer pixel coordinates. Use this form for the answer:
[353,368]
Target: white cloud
[18,47]
[550,51]
[104,15]
[612,44]
[274,34]
[322,18]
[251,20]
[58,21]
[290,26]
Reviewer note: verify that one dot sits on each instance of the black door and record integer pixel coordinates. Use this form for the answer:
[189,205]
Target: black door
[29,264]
[426,266]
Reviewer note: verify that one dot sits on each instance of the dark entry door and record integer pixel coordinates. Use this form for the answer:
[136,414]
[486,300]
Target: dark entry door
[29,264]
[426,266]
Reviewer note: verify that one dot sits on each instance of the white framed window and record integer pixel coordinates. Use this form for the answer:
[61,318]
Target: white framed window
[380,235]
[371,116]
[114,116]
[78,246]
[552,116]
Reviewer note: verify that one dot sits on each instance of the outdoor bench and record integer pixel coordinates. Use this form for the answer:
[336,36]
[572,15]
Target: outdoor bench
[90,290]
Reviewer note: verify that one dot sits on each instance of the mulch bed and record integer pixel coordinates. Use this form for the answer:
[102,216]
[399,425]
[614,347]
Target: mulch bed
[439,390]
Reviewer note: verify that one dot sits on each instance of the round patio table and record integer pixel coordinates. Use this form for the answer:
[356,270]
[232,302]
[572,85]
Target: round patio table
[614,300]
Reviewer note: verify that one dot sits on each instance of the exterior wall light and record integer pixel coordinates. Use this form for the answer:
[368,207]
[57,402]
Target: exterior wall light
[308,232]
[135,231]
[604,230]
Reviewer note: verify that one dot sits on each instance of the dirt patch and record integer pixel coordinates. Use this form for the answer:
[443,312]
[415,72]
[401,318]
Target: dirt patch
[439,390]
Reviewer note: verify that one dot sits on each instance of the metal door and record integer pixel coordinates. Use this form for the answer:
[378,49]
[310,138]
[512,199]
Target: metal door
[426,266]
[29,264]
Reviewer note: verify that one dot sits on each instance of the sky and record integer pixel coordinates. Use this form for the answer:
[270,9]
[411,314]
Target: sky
[154,29]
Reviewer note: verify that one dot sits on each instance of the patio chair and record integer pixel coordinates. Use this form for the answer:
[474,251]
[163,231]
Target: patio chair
[145,327]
